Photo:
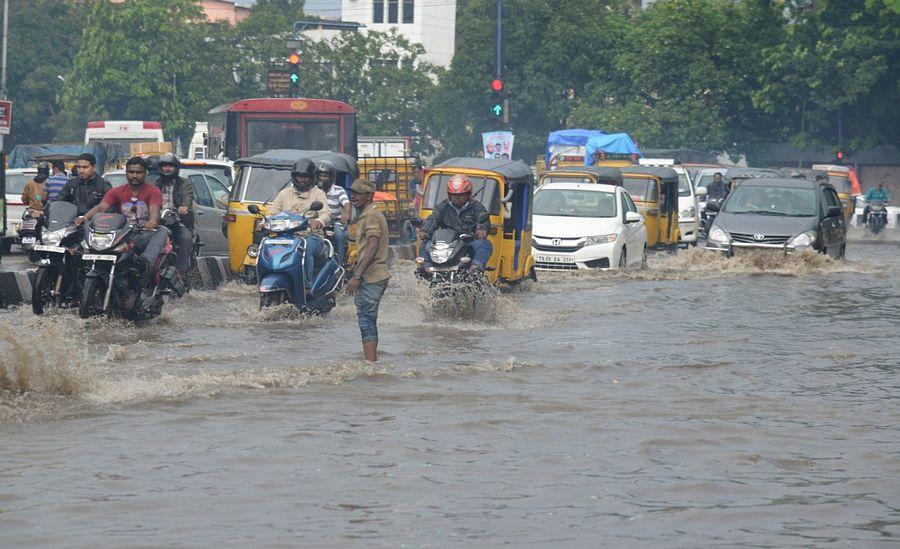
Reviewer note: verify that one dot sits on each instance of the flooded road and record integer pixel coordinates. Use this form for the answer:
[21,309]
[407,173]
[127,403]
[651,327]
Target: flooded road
[705,401]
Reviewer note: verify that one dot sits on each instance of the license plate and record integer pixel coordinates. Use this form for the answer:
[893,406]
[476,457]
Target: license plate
[54,249]
[29,239]
[280,242]
[98,257]
[553,259]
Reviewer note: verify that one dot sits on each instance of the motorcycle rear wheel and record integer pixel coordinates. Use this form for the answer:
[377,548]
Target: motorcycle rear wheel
[92,298]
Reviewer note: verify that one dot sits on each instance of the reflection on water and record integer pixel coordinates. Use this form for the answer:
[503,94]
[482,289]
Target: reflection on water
[704,401]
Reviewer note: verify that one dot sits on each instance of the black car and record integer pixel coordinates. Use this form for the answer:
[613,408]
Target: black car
[779,214]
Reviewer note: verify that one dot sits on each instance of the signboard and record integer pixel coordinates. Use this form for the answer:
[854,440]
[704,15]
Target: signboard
[498,144]
[5,116]
[279,82]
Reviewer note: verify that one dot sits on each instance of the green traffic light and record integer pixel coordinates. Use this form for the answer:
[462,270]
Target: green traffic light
[295,78]
[497,109]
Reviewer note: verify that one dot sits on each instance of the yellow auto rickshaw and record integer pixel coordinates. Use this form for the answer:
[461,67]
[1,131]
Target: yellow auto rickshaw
[584,174]
[391,177]
[505,188]
[257,180]
[839,177]
[654,191]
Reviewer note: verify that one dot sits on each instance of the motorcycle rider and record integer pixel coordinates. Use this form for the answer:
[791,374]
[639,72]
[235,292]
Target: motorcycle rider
[463,214]
[297,198]
[140,202]
[716,190]
[875,194]
[338,204]
[87,189]
[178,195]
[33,195]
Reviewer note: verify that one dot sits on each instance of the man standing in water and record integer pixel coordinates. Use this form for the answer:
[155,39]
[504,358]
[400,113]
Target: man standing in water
[370,277]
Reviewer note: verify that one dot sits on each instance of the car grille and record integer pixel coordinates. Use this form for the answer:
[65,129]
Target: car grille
[548,248]
[555,266]
[766,239]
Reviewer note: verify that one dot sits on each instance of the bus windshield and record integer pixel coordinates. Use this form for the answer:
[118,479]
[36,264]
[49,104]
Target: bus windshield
[313,135]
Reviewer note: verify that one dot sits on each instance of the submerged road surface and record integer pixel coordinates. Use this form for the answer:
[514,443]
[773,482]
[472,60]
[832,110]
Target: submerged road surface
[747,402]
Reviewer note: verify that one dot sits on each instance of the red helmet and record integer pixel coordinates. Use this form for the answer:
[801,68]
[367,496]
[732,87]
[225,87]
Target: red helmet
[459,184]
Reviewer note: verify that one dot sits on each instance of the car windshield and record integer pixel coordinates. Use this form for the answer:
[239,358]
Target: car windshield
[484,190]
[786,201]
[574,203]
[640,188]
[841,183]
[15,183]
[258,184]
[222,173]
[264,135]
[684,185]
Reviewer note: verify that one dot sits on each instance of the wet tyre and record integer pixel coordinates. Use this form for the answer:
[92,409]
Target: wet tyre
[42,291]
[270,299]
[623,259]
[248,275]
[92,298]
[644,258]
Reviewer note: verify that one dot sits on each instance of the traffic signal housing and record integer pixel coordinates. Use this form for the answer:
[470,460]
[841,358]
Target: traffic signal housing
[294,72]
[841,154]
[497,104]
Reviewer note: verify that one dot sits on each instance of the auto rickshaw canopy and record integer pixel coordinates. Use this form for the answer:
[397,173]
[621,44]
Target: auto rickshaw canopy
[263,187]
[285,158]
[509,169]
[604,175]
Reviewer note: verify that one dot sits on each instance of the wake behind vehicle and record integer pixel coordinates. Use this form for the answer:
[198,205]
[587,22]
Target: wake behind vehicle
[57,282]
[114,283]
[780,215]
[281,264]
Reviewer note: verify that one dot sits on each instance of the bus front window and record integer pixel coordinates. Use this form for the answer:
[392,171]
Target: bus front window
[312,135]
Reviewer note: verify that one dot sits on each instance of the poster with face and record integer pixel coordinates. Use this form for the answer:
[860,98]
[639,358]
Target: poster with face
[498,145]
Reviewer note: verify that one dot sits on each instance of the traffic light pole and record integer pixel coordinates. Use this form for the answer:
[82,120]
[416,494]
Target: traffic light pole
[498,70]
[3,61]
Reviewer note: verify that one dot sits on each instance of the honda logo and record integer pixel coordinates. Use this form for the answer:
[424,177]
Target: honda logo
[758,236]
[556,242]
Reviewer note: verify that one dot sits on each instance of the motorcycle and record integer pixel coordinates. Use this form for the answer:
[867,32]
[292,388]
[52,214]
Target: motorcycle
[447,266]
[57,282]
[192,278]
[877,219]
[29,234]
[114,283]
[280,260]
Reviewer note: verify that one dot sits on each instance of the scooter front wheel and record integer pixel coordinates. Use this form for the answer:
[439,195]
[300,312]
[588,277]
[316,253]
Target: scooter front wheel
[270,299]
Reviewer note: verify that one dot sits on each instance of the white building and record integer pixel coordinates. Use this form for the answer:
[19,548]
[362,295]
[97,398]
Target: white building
[427,22]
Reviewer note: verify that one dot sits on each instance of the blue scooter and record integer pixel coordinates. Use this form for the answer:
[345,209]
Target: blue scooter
[279,266]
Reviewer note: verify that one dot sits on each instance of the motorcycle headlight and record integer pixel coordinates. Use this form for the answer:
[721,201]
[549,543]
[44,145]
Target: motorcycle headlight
[600,239]
[688,212]
[101,241]
[53,238]
[440,253]
[253,250]
[804,240]
[718,236]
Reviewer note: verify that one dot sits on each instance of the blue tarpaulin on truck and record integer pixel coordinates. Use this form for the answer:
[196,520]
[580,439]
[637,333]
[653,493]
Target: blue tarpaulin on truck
[614,143]
[575,137]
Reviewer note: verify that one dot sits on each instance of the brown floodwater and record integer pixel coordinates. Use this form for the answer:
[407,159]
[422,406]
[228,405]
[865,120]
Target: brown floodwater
[704,401]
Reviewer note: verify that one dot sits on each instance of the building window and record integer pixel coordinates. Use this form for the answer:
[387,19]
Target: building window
[378,12]
[393,9]
[408,11]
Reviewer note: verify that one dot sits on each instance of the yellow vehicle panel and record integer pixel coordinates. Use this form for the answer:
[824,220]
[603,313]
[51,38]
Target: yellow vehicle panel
[239,228]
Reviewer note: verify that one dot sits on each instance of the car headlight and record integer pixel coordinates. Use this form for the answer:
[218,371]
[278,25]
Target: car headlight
[53,238]
[440,253]
[717,235]
[600,239]
[253,250]
[688,212]
[804,240]
[101,241]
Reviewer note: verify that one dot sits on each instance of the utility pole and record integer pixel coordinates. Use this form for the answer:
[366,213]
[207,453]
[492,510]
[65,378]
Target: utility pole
[3,62]
[498,70]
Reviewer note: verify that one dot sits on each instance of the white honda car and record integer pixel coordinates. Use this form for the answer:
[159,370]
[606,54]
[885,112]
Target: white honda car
[586,226]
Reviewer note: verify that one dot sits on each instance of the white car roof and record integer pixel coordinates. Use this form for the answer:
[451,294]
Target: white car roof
[19,171]
[579,187]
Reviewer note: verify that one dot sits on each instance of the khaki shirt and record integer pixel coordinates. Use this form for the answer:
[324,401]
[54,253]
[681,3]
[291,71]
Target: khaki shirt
[371,222]
[34,196]
[292,201]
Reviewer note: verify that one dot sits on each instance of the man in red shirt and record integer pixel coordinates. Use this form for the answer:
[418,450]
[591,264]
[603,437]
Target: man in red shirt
[140,202]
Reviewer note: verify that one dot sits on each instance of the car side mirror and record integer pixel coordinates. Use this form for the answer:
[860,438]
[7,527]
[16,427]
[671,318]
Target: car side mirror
[632,217]
[316,206]
[712,205]
[254,209]
[701,191]
[835,211]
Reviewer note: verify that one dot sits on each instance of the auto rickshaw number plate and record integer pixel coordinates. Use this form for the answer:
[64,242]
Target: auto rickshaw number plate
[279,242]
[29,240]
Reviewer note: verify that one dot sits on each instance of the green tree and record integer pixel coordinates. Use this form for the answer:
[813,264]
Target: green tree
[150,60]
[42,44]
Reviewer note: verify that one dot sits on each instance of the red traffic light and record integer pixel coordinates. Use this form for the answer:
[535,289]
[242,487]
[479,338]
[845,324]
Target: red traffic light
[840,155]
[294,58]
[497,85]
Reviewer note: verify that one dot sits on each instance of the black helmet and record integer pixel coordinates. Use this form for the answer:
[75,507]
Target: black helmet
[327,167]
[43,172]
[306,167]
[172,160]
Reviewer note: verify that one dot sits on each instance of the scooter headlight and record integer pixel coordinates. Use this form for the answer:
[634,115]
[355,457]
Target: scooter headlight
[101,241]
[440,253]
[804,241]
[718,236]
[282,225]
[253,250]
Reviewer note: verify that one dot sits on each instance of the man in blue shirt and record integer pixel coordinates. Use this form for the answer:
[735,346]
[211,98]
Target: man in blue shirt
[875,195]
[57,181]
